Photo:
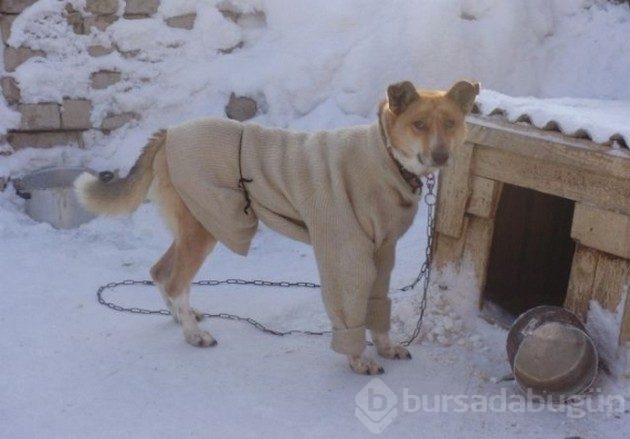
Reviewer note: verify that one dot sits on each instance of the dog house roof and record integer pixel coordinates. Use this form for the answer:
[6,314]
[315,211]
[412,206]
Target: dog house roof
[603,121]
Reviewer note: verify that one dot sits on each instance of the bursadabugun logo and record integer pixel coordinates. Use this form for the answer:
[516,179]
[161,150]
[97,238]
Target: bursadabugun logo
[376,405]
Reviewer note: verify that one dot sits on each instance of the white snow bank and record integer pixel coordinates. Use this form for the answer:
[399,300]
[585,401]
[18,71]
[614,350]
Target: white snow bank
[600,119]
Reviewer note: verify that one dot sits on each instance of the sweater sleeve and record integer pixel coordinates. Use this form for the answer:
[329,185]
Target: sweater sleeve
[379,305]
[345,259]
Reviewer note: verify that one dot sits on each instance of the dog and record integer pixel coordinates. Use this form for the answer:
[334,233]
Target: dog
[351,193]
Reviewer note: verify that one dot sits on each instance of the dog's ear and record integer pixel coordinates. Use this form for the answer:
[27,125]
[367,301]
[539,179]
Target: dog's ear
[400,95]
[464,93]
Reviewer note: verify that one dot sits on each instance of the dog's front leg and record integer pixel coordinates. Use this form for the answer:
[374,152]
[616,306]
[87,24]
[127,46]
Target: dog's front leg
[347,273]
[379,306]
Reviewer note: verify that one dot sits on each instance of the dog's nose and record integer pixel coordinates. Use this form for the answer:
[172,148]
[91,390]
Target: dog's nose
[439,156]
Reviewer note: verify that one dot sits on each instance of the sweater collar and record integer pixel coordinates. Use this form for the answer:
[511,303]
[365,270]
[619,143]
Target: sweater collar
[413,180]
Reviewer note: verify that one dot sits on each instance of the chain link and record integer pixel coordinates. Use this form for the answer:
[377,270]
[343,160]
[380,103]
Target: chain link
[424,276]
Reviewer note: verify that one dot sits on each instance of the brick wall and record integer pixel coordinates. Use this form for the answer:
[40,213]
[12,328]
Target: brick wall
[46,124]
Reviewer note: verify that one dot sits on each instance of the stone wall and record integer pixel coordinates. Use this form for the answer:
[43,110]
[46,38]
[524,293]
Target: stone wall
[46,124]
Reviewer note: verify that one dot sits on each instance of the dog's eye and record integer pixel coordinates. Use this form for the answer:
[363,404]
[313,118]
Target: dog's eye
[419,125]
[449,123]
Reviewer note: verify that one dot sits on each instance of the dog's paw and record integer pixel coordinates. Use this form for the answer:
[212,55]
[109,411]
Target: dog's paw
[200,338]
[365,366]
[395,352]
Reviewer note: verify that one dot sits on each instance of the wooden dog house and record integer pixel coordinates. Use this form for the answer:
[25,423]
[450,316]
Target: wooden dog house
[543,217]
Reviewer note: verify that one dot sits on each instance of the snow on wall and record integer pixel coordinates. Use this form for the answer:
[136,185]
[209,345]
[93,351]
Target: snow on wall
[308,62]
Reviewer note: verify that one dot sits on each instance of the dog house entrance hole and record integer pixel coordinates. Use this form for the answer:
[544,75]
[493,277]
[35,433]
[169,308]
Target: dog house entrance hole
[531,253]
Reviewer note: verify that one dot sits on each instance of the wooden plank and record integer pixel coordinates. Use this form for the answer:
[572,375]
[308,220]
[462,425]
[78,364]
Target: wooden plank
[607,192]
[549,147]
[484,197]
[601,229]
[611,277]
[449,250]
[454,190]
[477,247]
[624,334]
[581,280]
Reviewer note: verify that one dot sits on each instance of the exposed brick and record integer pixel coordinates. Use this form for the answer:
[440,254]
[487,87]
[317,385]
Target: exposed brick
[102,7]
[104,78]
[15,6]
[230,14]
[182,21]
[6,21]
[10,90]
[75,114]
[241,108]
[140,7]
[100,22]
[115,121]
[19,140]
[97,51]
[14,57]
[136,16]
[40,117]
[75,19]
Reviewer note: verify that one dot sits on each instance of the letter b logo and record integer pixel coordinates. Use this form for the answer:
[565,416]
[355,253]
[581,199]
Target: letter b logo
[376,405]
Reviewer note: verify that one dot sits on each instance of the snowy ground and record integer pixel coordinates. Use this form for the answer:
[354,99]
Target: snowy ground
[72,368]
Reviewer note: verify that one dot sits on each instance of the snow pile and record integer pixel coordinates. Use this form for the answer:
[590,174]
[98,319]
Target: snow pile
[451,312]
[604,327]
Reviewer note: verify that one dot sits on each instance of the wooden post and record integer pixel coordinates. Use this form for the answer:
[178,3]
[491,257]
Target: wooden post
[478,243]
[484,197]
[454,190]
[448,249]
[611,275]
[581,280]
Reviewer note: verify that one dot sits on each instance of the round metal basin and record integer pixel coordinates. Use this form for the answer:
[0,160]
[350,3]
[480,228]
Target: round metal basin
[551,353]
[50,198]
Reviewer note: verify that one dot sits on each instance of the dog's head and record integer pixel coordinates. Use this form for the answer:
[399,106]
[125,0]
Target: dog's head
[423,127]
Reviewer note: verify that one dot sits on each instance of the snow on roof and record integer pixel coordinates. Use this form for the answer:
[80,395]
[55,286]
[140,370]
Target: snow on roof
[606,122]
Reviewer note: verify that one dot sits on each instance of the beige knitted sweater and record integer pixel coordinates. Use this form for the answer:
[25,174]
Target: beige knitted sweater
[337,190]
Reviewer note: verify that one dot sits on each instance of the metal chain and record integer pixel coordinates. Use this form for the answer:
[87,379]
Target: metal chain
[424,276]
[430,200]
[212,283]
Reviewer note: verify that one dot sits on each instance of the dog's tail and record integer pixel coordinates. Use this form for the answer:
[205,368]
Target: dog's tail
[106,195]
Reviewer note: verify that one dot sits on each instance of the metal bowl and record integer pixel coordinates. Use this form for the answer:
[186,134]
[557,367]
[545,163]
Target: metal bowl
[50,197]
[551,353]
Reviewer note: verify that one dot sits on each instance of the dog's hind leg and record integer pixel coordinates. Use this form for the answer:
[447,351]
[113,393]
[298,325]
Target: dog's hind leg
[190,249]
[177,267]
[161,272]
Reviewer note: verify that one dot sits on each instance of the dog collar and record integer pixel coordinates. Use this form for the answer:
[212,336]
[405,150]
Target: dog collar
[412,179]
